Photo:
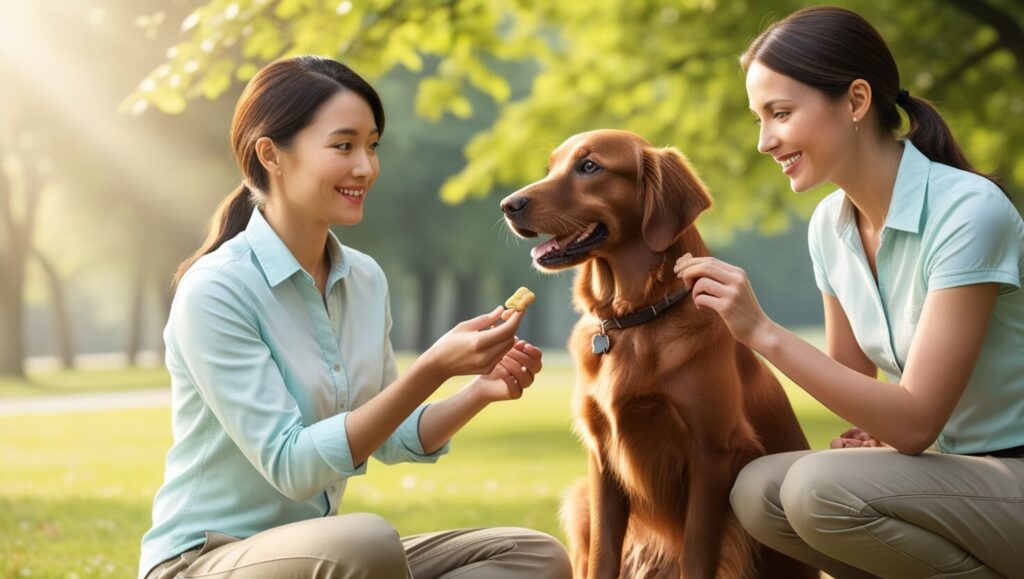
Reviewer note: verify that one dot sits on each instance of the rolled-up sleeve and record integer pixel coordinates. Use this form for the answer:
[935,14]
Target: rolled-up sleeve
[219,342]
[404,445]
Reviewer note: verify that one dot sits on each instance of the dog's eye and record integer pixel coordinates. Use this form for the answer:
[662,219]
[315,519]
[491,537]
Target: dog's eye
[589,167]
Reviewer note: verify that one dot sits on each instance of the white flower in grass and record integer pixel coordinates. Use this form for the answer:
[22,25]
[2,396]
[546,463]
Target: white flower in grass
[409,482]
[491,486]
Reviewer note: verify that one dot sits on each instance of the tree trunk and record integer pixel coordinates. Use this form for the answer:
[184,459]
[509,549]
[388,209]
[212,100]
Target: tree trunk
[134,344]
[12,282]
[12,313]
[467,288]
[63,334]
[428,291]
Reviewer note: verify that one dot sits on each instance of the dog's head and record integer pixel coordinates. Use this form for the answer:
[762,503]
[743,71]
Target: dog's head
[605,190]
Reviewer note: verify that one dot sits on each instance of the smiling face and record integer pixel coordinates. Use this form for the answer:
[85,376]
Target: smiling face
[590,177]
[331,164]
[800,127]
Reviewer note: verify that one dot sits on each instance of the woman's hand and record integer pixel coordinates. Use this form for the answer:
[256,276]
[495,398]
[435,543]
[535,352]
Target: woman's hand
[725,289]
[856,438]
[514,373]
[474,346]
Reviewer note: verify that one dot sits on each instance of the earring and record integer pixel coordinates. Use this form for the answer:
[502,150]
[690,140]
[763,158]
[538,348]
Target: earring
[856,127]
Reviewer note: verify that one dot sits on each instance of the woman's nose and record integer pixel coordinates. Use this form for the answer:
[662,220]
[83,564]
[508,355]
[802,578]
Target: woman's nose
[766,140]
[362,167]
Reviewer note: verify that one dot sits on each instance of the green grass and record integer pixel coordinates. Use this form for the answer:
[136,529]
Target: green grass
[76,489]
[83,381]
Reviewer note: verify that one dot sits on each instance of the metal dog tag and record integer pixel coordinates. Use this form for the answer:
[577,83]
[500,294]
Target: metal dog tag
[600,344]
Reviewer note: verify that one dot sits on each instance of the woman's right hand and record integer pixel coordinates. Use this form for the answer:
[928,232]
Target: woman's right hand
[474,346]
[856,438]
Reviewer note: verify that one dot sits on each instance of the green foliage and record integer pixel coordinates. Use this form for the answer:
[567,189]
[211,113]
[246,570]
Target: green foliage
[663,68]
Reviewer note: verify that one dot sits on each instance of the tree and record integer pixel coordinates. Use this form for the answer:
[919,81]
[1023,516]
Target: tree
[664,68]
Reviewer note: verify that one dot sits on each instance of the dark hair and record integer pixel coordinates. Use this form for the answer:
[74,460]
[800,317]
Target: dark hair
[828,48]
[279,101]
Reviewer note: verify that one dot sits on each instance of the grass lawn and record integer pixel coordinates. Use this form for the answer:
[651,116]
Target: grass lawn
[76,489]
[59,382]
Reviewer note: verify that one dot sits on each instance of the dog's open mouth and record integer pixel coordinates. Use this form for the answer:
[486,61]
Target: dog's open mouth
[570,247]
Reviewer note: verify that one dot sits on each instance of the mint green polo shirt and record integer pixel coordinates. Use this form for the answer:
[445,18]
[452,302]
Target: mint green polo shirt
[945,228]
[264,371]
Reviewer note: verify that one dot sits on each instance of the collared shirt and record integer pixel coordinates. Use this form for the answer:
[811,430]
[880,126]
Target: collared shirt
[945,228]
[264,370]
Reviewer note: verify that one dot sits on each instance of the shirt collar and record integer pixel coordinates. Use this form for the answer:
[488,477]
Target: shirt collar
[908,194]
[277,260]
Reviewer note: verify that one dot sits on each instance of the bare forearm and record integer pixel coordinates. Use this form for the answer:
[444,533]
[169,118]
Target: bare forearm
[441,420]
[887,411]
[372,423]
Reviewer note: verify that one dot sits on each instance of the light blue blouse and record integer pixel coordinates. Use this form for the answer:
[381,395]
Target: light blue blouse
[264,371]
[945,228]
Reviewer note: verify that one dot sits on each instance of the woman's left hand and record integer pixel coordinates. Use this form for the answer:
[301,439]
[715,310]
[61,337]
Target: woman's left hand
[856,438]
[725,289]
[514,373]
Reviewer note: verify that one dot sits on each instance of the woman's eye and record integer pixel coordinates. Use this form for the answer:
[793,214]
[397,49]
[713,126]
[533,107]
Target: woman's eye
[375,146]
[344,147]
[780,115]
[589,167]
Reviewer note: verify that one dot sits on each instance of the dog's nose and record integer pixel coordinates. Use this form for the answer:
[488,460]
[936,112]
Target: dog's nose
[514,204]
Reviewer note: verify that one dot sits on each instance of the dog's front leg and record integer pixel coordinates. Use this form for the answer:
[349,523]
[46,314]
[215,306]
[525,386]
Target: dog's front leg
[707,514]
[608,519]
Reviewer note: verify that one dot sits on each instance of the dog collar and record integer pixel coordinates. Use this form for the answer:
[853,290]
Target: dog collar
[601,343]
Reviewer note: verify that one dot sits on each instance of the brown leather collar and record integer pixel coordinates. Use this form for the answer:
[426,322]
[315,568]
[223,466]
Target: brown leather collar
[643,315]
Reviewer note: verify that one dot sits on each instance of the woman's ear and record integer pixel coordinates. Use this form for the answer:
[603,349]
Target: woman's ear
[267,153]
[860,96]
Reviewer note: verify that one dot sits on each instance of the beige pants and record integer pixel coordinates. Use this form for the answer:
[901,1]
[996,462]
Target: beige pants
[364,546]
[863,512]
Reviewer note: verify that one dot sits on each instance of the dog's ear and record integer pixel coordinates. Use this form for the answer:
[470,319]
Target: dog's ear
[673,196]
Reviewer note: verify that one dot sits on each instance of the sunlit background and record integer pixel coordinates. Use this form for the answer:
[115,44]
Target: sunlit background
[113,140]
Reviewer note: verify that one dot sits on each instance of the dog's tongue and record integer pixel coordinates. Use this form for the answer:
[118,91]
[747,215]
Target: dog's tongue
[544,248]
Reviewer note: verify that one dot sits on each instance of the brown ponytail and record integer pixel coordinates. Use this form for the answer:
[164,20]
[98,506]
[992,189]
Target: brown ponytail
[828,48]
[931,135]
[230,219]
[280,100]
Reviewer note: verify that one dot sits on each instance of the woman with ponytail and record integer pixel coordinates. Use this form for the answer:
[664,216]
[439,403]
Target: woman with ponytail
[283,377]
[919,259]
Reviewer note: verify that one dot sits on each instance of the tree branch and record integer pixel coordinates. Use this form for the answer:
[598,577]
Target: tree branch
[1011,35]
[954,73]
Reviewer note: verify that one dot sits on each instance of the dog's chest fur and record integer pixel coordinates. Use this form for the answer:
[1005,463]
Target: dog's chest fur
[624,416]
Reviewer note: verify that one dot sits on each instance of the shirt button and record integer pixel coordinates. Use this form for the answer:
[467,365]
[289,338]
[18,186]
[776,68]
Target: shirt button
[337,367]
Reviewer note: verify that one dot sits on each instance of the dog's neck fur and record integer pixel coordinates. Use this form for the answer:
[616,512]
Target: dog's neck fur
[633,277]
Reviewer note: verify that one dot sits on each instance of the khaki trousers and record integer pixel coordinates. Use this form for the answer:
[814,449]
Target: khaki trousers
[365,546]
[864,512]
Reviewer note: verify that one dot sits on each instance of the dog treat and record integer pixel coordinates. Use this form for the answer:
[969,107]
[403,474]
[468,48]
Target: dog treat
[520,300]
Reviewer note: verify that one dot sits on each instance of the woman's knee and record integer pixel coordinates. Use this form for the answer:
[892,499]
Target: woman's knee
[553,561]
[755,494]
[817,498]
[365,546]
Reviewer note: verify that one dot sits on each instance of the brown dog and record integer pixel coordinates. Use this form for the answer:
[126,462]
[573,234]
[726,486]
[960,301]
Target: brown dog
[670,406]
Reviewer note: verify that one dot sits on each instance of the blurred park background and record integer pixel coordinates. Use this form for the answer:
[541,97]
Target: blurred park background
[113,154]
